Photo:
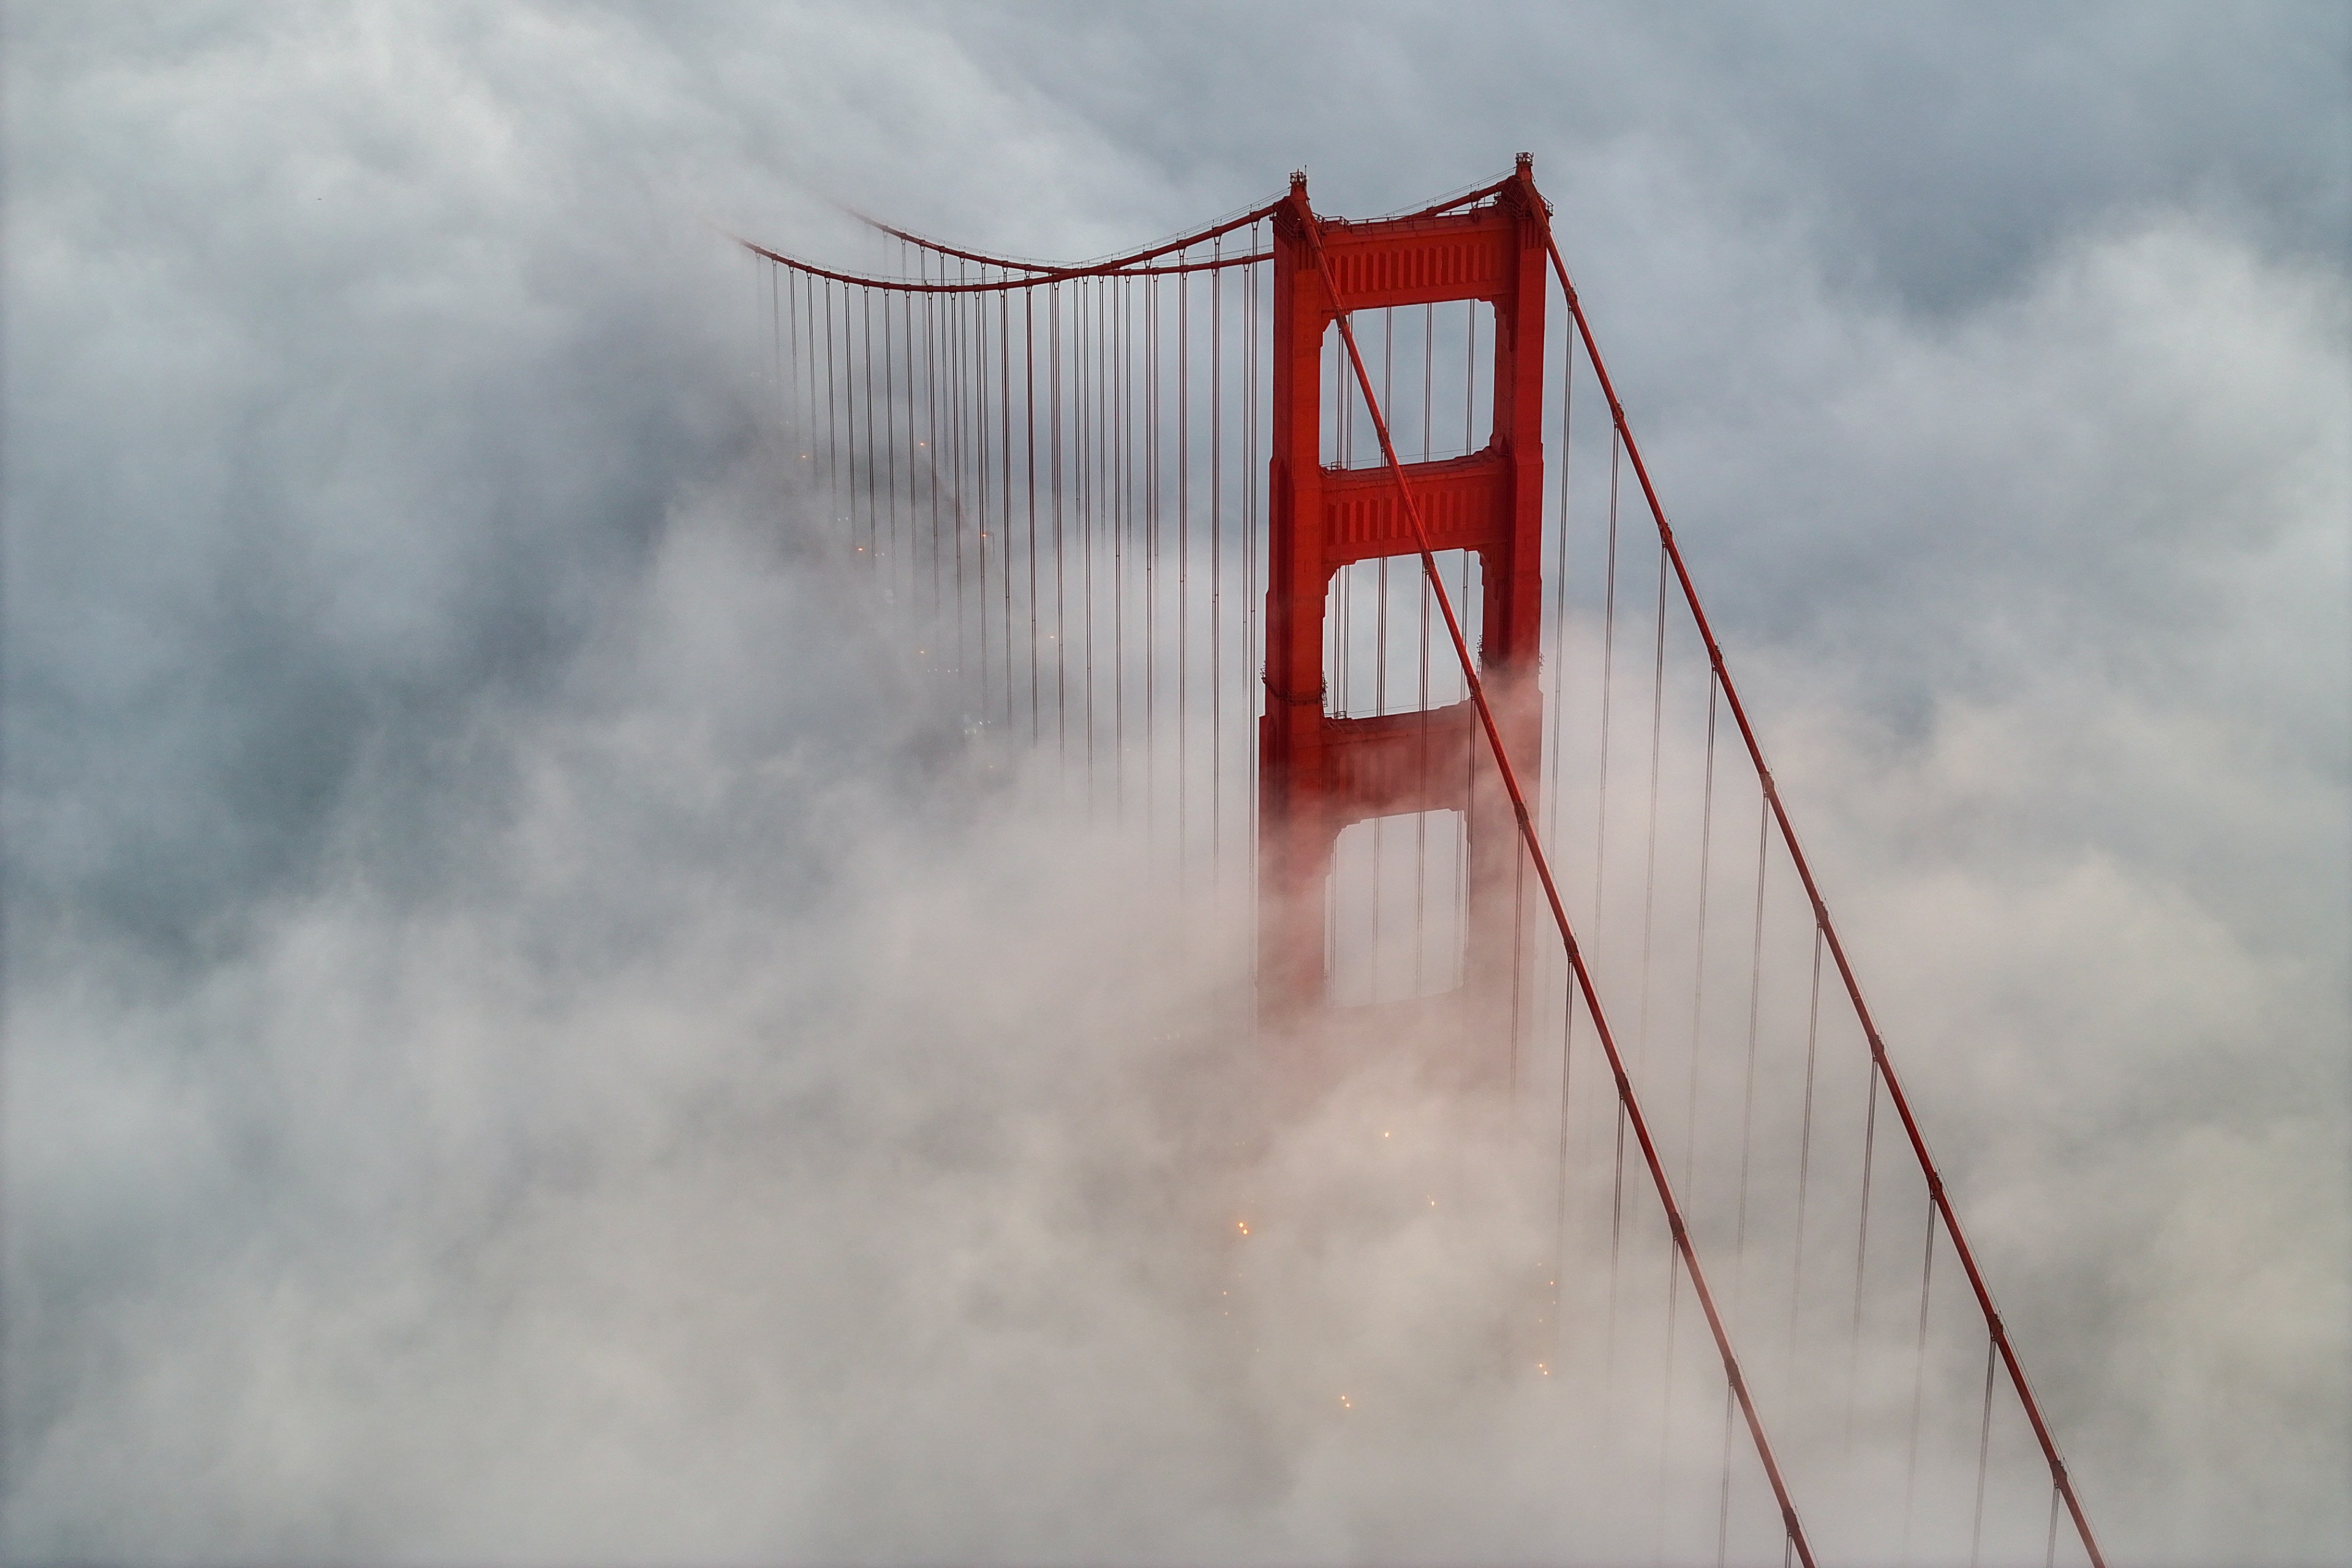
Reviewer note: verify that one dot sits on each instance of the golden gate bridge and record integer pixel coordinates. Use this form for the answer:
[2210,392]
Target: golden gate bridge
[1249,536]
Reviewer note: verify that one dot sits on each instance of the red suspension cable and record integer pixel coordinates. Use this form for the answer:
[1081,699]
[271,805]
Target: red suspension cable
[1131,265]
[1885,1069]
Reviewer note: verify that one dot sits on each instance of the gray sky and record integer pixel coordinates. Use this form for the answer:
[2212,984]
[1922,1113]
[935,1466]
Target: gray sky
[514,1049]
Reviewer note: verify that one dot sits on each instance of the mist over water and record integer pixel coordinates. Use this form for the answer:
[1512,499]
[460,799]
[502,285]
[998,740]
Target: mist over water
[535,1033]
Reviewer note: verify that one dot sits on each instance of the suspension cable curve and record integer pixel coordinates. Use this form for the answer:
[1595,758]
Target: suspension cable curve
[1129,264]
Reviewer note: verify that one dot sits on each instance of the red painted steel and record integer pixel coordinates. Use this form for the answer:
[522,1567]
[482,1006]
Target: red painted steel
[1317,773]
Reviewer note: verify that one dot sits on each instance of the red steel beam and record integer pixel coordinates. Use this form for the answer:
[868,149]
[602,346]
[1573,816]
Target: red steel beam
[1323,518]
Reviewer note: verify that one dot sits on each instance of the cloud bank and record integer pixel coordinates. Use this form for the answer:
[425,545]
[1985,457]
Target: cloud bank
[530,1035]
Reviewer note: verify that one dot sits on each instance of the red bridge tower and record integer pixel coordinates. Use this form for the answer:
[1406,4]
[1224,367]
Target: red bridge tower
[1318,773]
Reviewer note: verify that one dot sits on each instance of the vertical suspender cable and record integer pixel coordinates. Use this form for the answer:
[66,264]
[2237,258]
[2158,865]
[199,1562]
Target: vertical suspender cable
[794,411]
[1699,979]
[1608,680]
[1723,1488]
[971,428]
[890,433]
[907,351]
[931,445]
[1666,1388]
[1088,508]
[1119,429]
[1560,595]
[1154,537]
[1005,467]
[1215,523]
[1469,376]
[1805,1152]
[808,404]
[797,416]
[1560,1185]
[1600,861]
[1184,566]
[1519,860]
[980,453]
[867,311]
[1861,1254]
[776,342]
[1106,514]
[850,295]
[1250,609]
[1151,543]
[1918,1380]
[1650,851]
[959,361]
[1747,1093]
[1984,1452]
[1457,892]
[1552,824]
[1422,597]
[1061,601]
[1380,635]
[1029,434]
[1335,663]
[832,444]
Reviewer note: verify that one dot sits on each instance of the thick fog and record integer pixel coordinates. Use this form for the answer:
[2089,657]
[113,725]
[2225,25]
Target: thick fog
[533,1034]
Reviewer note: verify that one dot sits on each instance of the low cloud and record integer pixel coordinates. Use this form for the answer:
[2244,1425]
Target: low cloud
[535,1033]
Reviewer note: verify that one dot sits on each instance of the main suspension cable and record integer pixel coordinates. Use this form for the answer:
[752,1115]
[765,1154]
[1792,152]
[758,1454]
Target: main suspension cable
[1134,264]
[1638,1122]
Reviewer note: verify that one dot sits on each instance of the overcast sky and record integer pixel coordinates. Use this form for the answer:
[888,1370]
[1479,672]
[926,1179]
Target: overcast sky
[514,1050]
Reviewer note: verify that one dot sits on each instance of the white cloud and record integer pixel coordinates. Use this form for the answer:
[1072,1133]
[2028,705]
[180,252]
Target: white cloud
[529,1037]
